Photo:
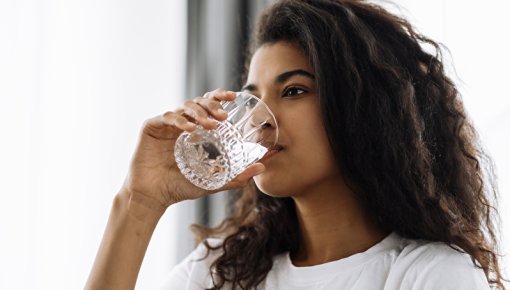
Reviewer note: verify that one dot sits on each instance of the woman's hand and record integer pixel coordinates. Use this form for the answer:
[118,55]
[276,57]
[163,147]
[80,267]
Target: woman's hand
[154,180]
[153,183]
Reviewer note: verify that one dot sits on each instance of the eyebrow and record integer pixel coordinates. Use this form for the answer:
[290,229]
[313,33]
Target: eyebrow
[282,78]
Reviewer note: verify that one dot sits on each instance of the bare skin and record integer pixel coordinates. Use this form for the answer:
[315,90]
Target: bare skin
[333,227]
[332,223]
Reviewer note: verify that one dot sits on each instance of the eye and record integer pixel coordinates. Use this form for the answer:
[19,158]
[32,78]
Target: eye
[293,91]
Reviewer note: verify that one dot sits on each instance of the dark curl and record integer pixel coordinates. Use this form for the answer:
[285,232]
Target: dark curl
[398,130]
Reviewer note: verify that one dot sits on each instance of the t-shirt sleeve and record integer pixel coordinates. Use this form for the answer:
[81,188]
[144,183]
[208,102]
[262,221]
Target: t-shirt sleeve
[446,269]
[192,273]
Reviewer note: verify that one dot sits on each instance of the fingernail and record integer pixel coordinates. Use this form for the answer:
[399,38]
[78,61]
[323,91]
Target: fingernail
[212,120]
[221,111]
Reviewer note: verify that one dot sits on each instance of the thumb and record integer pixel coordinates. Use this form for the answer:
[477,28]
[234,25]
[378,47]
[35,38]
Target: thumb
[252,170]
[242,179]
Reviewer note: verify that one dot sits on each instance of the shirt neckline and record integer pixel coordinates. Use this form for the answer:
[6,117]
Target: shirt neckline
[312,274]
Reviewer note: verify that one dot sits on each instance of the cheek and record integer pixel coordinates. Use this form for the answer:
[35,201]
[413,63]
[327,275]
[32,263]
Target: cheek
[297,170]
[313,151]
[314,160]
[308,160]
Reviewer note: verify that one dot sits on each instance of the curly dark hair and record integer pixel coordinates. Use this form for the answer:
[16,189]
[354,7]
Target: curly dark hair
[398,130]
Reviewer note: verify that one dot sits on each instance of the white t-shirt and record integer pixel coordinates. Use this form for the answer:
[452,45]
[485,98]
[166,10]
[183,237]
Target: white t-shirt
[393,263]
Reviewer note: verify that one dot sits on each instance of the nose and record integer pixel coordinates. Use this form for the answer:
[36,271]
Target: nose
[262,116]
[261,126]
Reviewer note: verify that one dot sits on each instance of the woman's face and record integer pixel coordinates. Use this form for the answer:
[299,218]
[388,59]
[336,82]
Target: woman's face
[282,77]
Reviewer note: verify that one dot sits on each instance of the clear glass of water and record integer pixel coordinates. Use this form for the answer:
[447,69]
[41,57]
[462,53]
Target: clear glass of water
[211,158]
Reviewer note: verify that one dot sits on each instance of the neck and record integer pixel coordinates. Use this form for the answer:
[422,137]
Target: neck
[332,225]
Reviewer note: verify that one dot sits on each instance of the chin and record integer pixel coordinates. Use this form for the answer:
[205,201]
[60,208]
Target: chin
[272,186]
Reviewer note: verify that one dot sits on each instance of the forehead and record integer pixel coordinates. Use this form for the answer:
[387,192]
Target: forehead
[275,58]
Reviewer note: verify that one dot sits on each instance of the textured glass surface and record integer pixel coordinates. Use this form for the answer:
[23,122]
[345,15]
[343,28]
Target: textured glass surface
[211,158]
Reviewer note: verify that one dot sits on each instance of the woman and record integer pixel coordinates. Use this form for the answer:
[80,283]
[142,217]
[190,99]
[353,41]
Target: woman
[378,184]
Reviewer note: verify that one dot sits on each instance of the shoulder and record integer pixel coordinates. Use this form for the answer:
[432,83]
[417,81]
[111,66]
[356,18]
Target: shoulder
[193,272]
[435,265]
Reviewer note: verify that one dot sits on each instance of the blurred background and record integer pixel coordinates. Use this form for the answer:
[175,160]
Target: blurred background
[78,78]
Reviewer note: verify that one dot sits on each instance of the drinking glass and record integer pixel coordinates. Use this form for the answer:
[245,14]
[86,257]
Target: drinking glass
[211,158]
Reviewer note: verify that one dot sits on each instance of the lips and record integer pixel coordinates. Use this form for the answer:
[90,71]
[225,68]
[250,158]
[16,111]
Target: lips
[272,151]
[276,147]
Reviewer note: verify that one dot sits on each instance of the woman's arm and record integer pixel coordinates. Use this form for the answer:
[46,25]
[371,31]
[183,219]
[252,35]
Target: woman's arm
[127,235]
[153,184]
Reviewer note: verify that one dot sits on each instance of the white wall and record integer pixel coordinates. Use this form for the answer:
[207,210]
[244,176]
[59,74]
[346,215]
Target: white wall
[477,35]
[77,79]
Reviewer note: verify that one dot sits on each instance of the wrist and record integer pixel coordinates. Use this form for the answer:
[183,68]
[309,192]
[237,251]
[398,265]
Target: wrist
[139,206]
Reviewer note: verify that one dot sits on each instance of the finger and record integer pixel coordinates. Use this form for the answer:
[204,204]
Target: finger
[177,120]
[165,127]
[181,112]
[242,179]
[213,107]
[198,113]
[220,95]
